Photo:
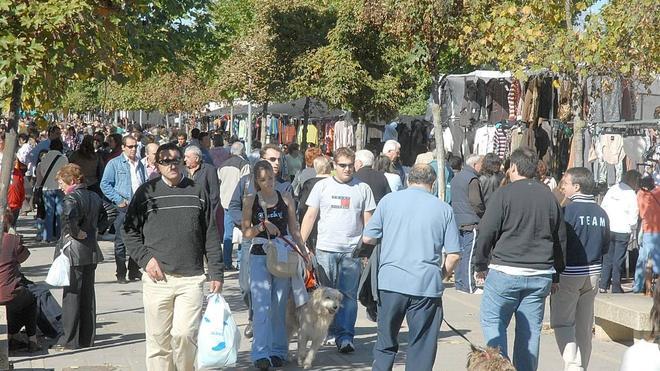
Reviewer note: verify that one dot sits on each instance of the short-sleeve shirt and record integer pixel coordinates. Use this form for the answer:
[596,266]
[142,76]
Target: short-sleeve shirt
[415,227]
[341,207]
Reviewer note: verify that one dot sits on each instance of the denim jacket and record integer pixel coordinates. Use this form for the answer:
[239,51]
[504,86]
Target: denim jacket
[116,181]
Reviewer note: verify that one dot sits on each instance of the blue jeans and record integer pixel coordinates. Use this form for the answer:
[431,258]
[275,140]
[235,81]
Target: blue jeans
[269,299]
[464,272]
[342,272]
[650,249]
[613,262]
[506,295]
[53,203]
[227,245]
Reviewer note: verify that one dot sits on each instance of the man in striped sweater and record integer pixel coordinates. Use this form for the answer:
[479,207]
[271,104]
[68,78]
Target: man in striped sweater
[572,303]
[169,229]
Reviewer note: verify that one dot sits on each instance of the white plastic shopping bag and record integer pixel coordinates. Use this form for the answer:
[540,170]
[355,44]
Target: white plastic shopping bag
[58,274]
[219,339]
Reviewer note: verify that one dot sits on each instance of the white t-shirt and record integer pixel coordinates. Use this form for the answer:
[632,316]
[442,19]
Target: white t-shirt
[341,207]
[642,356]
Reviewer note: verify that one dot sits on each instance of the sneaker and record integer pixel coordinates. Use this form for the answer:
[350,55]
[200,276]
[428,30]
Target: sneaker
[248,331]
[262,363]
[346,347]
[330,340]
[478,292]
[277,361]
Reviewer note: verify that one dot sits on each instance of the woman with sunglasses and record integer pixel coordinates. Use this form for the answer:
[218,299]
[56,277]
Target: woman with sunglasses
[272,214]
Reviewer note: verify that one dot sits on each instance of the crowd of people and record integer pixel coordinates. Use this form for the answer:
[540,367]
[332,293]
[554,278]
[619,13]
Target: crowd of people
[506,230]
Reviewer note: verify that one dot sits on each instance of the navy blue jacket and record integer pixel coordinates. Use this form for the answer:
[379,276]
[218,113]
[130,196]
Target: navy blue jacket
[588,236]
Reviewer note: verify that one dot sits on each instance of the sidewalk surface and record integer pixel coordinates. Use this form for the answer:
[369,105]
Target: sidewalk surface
[120,328]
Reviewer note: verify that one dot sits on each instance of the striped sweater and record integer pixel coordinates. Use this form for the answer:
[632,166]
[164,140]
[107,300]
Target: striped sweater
[588,233]
[175,225]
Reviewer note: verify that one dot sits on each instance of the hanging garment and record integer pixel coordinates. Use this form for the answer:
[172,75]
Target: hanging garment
[484,138]
[344,136]
[513,98]
[501,143]
[448,140]
[289,134]
[242,129]
[312,134]
[612,148]
[498,105]
[605,99]
[517,136]
[565,93]
[531,104]
[634,147]
[471,109]
[547,99]
[329,138]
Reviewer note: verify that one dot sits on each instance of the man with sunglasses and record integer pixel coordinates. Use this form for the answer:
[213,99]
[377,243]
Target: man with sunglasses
[273,154]
[121,178]
[344,204]
[173,259]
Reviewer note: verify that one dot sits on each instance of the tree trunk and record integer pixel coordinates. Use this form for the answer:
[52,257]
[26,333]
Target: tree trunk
[578,122]
[248,140]
[439,140]
[10,147]
[360,132]
[303,144]
[264,112]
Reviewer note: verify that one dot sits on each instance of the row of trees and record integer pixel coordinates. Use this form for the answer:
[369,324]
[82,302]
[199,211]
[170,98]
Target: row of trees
[375,58]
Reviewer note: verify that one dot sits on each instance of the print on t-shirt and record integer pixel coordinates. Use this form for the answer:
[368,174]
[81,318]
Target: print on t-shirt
[344,202]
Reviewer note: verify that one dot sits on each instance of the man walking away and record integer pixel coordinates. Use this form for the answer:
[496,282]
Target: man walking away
[345,205]
[173,258]
[587,240]
[468,204]
[202,173]
[410,279]
[122,176]
[230,173]
[522,241]
[364,161]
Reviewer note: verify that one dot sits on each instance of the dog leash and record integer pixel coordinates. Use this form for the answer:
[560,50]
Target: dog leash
[474,347]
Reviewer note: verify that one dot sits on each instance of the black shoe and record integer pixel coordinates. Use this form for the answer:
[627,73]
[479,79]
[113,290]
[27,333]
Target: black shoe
[33,347]
[277,361]
[231,268]
[135,278]
[17,345]
[262,364]
[346,346]
[248,331]
[121,280]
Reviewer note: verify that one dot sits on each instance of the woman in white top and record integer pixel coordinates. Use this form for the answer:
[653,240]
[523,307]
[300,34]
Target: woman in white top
[384,164]
[644,355]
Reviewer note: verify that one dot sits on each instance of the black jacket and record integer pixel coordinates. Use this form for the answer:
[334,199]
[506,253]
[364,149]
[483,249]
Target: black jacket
[523,227]
[82,210]
[376,181]
[489,184]
[207,177]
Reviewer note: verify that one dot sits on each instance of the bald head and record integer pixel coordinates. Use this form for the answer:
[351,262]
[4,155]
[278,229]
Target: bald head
[422,175]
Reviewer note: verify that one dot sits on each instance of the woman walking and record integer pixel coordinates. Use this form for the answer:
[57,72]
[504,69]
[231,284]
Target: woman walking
[272,214]
[82,216]
[90,163]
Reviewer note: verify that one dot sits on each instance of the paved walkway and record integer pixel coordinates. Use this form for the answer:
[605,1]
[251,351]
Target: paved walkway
[120,322]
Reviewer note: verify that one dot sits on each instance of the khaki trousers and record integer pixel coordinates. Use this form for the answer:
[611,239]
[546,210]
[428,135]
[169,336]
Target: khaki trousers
[172,314]
[572,318]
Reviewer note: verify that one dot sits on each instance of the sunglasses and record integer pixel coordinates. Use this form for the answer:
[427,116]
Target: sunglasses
[132,146]
[169,161]
[346,166]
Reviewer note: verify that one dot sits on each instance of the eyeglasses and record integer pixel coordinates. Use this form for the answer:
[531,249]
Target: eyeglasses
[132,146]
[272,159]
[169,161]
[346,166]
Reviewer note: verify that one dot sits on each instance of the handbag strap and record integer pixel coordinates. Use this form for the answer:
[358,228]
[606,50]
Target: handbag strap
[50,167]
[295,248]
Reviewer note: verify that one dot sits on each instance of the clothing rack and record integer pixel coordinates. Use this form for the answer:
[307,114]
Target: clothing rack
[646,124]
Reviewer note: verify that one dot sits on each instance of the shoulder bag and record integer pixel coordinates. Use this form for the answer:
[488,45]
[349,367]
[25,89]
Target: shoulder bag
[38,193]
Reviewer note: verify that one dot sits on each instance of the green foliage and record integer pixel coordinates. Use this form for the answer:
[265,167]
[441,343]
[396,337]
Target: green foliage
[51,43]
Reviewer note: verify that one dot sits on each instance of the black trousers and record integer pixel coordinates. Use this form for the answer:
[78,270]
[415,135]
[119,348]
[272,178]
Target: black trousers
[79,309]
[423,315]
[22,311]
[120,250]
[614,262]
